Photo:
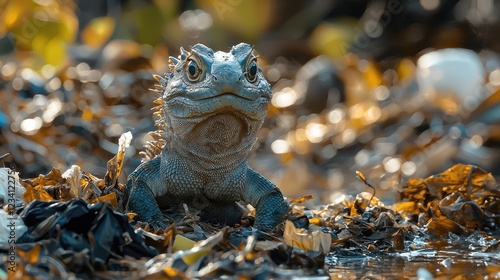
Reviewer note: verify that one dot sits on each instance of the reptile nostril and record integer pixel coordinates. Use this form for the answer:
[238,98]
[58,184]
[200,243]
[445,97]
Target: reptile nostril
[215,78]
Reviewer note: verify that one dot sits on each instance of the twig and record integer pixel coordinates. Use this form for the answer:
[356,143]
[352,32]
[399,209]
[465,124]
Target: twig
[362,178]
[4,156]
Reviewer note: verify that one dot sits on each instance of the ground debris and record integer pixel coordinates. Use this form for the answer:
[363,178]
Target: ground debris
[464,195]
[74,228]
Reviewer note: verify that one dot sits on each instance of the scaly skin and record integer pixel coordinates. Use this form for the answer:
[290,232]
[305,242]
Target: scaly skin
[213,105]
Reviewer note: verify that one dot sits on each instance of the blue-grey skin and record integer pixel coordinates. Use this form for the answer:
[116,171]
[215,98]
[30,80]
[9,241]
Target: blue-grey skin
[213,106]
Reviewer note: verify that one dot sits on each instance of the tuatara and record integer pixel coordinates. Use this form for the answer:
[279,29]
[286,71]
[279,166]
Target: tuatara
[211,108]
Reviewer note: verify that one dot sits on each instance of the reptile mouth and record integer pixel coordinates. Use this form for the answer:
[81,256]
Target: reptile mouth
[226,94]
[233,94]
[189,107]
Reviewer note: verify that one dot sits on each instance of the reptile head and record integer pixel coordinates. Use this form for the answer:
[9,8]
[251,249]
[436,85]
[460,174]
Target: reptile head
[214,103]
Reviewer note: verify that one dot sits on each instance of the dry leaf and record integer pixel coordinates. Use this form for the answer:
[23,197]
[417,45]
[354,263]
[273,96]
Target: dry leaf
[442,227]
[131,216]
[32,255]
[115,165]
[313,239]
[302,199]
[109,198]
[182,243]
[73,176]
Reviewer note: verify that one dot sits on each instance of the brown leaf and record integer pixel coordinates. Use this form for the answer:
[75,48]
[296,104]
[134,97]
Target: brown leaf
[398,241]
[54,177]
[441,227]
[466,179]
[465,213]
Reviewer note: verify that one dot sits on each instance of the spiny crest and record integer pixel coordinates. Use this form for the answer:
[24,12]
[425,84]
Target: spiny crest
[154,147]
[184,54]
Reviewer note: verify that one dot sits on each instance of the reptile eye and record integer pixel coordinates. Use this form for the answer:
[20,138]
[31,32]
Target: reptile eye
[252,71]
[193,70]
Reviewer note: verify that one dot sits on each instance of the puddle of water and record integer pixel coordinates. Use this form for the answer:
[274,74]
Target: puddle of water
[452,258]
[411,265]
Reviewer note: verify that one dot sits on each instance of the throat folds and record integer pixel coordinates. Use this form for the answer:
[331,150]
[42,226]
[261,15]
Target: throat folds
[216,143]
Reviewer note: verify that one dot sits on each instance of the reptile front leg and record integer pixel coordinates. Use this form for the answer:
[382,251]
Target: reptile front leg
[140,198]
[267,199]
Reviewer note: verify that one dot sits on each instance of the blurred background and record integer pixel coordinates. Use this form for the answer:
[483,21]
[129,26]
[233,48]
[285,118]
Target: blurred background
[395,89]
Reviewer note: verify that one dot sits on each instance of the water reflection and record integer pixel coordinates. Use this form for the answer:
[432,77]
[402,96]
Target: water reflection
[455,261]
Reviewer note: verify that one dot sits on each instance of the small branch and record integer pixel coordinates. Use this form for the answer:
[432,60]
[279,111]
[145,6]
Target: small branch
[362,178]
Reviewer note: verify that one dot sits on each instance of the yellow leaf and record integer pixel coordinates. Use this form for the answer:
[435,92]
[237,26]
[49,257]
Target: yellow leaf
[192,256]
[406,206]
[98,31]
[131,216]
[315,221]
[182,243]
[55,51]
[29,194]
[201,248]
[44,196]
[302,199]
[109,198]
[31,255]
[52,178]
[37,192]
[173,273]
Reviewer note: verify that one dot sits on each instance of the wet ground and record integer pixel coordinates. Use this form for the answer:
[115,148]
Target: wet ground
[422,264]
[454,258]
